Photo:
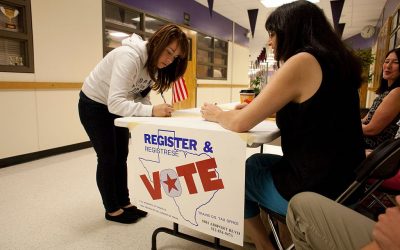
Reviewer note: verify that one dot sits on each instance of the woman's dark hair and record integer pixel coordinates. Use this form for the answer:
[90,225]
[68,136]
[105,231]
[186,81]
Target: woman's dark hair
[383,86]
[301,26]
[164,77]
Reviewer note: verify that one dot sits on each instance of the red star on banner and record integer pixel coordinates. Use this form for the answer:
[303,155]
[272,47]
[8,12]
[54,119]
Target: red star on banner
[170,183]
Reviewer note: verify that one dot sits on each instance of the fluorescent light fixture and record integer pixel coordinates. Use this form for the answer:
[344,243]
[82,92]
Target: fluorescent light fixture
[148,19]
[277,3]
[118,34]
[273,3]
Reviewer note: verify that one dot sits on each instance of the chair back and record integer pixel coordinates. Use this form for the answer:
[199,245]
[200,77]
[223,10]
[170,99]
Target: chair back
[381,163]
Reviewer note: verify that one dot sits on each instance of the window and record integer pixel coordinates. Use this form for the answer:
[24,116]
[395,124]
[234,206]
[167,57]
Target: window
[212,58]
[120,21]
[16,46]
[395,31]
[152,24]
[395,21]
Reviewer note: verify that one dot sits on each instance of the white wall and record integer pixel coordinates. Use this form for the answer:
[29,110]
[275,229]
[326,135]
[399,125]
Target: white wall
[240,64]
[240,67]
[67,41]
[238,57]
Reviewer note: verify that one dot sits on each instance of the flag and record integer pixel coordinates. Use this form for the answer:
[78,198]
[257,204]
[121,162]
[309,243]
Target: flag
[179,90]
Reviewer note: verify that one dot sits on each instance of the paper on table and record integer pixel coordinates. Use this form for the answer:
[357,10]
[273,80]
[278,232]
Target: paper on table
[228,106]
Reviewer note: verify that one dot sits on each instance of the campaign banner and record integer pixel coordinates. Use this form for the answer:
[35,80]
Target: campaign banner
[193,177]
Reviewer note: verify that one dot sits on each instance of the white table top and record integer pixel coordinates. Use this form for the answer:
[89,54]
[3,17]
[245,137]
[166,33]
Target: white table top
[264,132]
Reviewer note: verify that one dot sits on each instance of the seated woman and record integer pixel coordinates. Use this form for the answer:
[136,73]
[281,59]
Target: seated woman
[380,122]
[315,95]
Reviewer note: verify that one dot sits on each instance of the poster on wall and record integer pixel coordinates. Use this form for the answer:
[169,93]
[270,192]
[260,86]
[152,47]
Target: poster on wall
[192,177]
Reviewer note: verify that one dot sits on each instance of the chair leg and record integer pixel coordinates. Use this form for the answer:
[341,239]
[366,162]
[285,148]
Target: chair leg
[391,199]
[376,200]
[290,247]
[274,232]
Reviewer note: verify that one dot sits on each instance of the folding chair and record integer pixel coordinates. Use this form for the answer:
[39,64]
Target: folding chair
[381,164]
[273,218]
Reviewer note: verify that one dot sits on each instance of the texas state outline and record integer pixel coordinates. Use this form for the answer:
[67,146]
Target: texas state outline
[191,215]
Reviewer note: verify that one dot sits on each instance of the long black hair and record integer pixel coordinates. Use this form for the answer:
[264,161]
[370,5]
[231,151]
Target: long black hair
[164,77]
[383,86]
[301,26]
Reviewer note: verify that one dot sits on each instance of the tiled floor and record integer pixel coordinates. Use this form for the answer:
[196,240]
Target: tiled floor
[53,203]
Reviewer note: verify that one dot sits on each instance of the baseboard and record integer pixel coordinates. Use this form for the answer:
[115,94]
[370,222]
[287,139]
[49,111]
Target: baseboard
[6,162]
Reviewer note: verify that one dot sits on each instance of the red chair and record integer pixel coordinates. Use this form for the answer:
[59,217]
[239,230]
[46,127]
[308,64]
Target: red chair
[384,193]
[392,183]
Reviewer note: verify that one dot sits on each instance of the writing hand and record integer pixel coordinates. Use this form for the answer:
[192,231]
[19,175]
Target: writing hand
[162,110]
[210,112]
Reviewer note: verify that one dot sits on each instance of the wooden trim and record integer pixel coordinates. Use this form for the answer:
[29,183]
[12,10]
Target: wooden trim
[39,85]
[209,85]
[78,85]
[240,85]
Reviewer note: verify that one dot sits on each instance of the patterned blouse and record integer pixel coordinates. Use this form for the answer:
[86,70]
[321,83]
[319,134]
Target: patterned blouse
[371,142]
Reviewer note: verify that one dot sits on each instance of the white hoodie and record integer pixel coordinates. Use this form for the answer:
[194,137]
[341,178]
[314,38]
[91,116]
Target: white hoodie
[118,78]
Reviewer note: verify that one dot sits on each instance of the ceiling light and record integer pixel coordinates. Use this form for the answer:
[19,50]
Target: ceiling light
[118,34]
[272,3]
[277,3]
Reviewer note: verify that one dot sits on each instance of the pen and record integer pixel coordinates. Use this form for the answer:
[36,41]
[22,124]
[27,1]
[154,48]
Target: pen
[162,95]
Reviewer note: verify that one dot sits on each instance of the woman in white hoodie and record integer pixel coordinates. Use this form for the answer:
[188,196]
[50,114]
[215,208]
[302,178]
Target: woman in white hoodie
[119,86]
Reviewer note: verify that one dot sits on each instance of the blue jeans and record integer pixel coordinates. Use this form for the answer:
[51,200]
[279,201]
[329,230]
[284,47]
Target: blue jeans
[111,146]
[260,188]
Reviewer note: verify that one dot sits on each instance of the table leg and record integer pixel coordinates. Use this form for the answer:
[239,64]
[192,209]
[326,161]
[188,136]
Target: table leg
[175,232]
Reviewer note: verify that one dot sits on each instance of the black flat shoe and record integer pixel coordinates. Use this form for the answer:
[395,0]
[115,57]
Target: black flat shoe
[125,218]
[135,211]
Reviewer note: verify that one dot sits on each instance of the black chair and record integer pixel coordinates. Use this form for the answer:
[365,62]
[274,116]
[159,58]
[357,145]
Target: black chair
[381,164]
[273,218]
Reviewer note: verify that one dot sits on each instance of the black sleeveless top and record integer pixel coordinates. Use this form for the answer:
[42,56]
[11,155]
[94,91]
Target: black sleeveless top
[321,139]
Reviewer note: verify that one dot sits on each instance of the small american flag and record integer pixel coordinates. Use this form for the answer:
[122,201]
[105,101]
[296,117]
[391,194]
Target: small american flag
[179,90]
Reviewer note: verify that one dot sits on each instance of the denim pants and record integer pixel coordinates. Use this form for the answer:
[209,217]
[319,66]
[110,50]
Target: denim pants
[111,146]
[260,187]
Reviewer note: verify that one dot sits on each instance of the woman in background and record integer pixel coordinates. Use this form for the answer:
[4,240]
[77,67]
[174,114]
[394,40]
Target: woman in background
[379,124]
[119,86]
[315,95]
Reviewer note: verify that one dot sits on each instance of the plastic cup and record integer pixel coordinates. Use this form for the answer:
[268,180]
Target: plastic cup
[246,95]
